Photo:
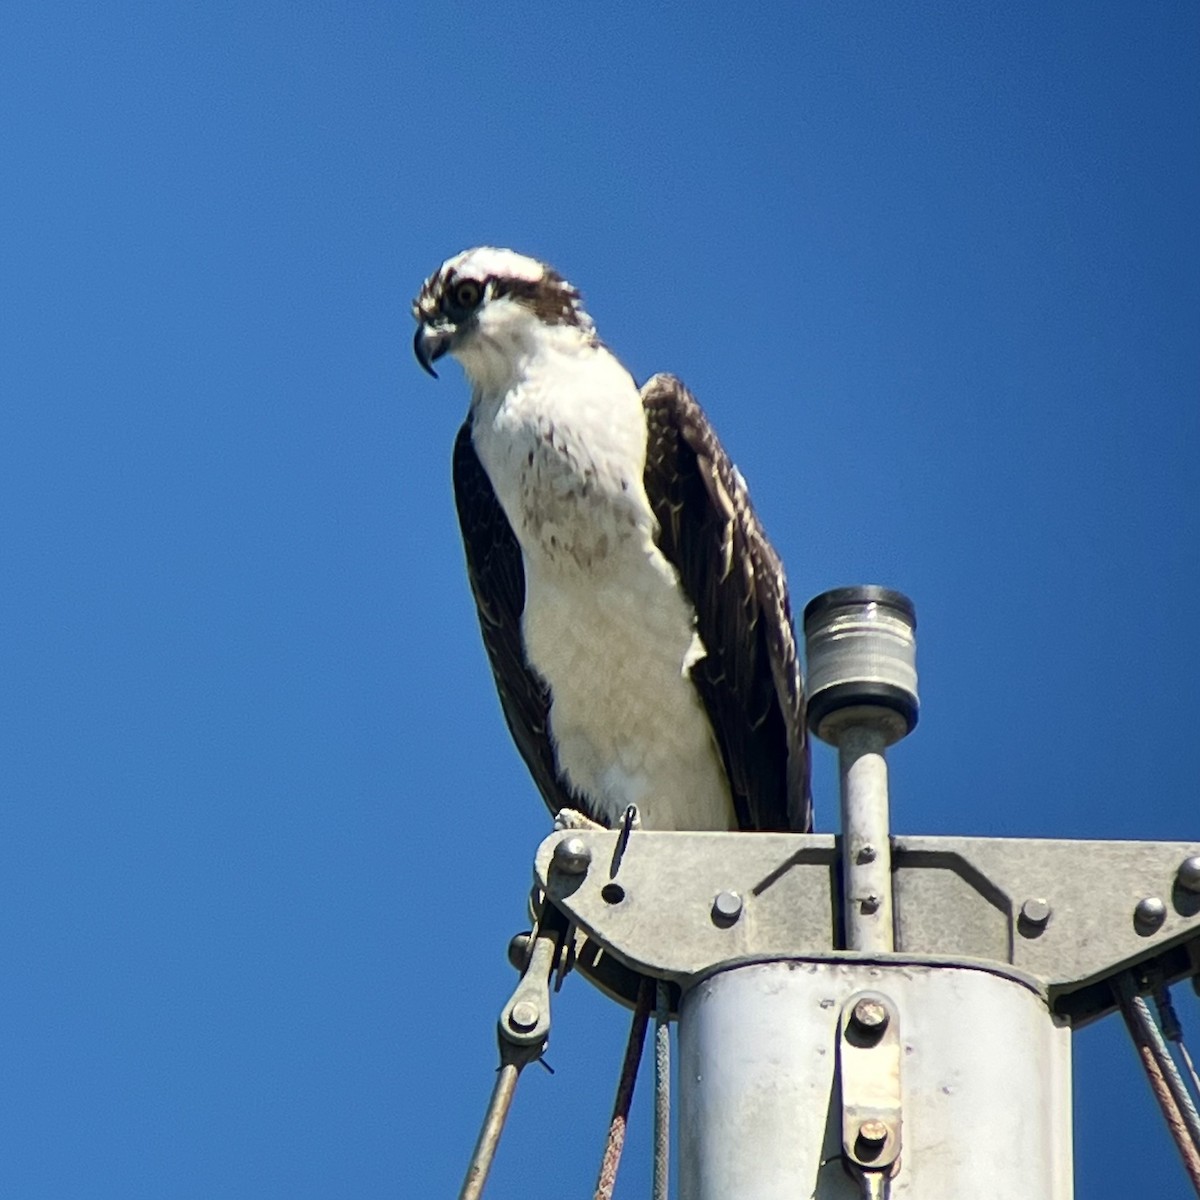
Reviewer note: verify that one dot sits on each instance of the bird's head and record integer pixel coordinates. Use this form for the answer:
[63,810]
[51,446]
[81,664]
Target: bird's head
[488,307]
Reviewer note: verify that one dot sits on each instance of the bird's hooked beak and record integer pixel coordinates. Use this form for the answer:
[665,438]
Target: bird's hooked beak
[430,343]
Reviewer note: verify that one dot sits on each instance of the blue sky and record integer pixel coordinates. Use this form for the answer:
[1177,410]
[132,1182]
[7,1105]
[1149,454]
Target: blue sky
[934,271]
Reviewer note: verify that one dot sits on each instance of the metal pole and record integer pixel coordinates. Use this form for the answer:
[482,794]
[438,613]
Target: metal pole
[986,1088]
[489,1135]
[866,844]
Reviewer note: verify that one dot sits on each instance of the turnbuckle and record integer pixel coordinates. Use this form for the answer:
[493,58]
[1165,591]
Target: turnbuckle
[522,1034]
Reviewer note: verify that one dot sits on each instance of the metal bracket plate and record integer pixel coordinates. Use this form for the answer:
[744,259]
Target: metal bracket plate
[1062,916]
[869,1070]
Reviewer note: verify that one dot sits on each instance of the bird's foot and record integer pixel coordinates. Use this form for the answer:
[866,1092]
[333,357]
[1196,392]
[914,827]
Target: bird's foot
[571,818]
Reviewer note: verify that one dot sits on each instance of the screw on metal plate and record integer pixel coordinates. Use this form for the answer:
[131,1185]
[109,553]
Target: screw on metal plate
[869,1054]
[1189,874]
[872,1135]
[524,1016]
[1149,914]
[1034,916]
[726,908]
[869,1017]
[870,903]
[573,855]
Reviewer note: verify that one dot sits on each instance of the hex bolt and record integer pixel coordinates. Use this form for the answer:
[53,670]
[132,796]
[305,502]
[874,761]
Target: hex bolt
[874,1133]
[1149,914]
[1036,911]
[524,1016]
[727,907]
[1189,874]
[870,1016]
[572,855]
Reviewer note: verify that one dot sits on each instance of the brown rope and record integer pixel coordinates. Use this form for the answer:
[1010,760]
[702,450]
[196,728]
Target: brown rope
[629,1069]
[1191,1160]
[1158,1085]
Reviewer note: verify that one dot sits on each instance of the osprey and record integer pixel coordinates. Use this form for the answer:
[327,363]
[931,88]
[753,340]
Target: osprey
[634,613]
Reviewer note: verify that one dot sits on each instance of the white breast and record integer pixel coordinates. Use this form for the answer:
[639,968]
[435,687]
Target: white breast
[606,623]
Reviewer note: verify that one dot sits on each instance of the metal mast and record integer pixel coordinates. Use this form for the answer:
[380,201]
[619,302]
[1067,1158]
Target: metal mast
[871,1014]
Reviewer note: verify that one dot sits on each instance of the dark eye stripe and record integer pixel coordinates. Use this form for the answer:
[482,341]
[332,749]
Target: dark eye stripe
[553,299]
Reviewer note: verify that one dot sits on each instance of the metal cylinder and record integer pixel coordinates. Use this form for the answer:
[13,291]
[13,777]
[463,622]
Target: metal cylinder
[984,1084]
[866,841]
[861,657]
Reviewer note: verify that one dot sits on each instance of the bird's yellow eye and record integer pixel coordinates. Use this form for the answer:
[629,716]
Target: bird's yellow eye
[467,295]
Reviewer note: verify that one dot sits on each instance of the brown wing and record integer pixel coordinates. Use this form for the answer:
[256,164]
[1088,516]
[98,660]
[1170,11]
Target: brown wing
[749,679]
[497,575]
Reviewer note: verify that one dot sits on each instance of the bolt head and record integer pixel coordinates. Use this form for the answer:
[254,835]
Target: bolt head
[870,903]
[871,1016]
[1149,914]
[727,907]
[524,1016]
[1189,874]
[573,855]
[873,1132]
[518,950]
[867,854]
[1036,911]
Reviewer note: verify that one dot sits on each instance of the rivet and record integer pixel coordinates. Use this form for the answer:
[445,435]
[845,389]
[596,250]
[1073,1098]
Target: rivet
[524,1016]
[870,903]
[1189,874]
[1149,914]
[1036,911]
[867,853]
[572,855]
[727,907]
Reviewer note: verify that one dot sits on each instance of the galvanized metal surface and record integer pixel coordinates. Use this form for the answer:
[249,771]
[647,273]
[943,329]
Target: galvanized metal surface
[961,895]
[866,846]
[761,1110]
[1060,915]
